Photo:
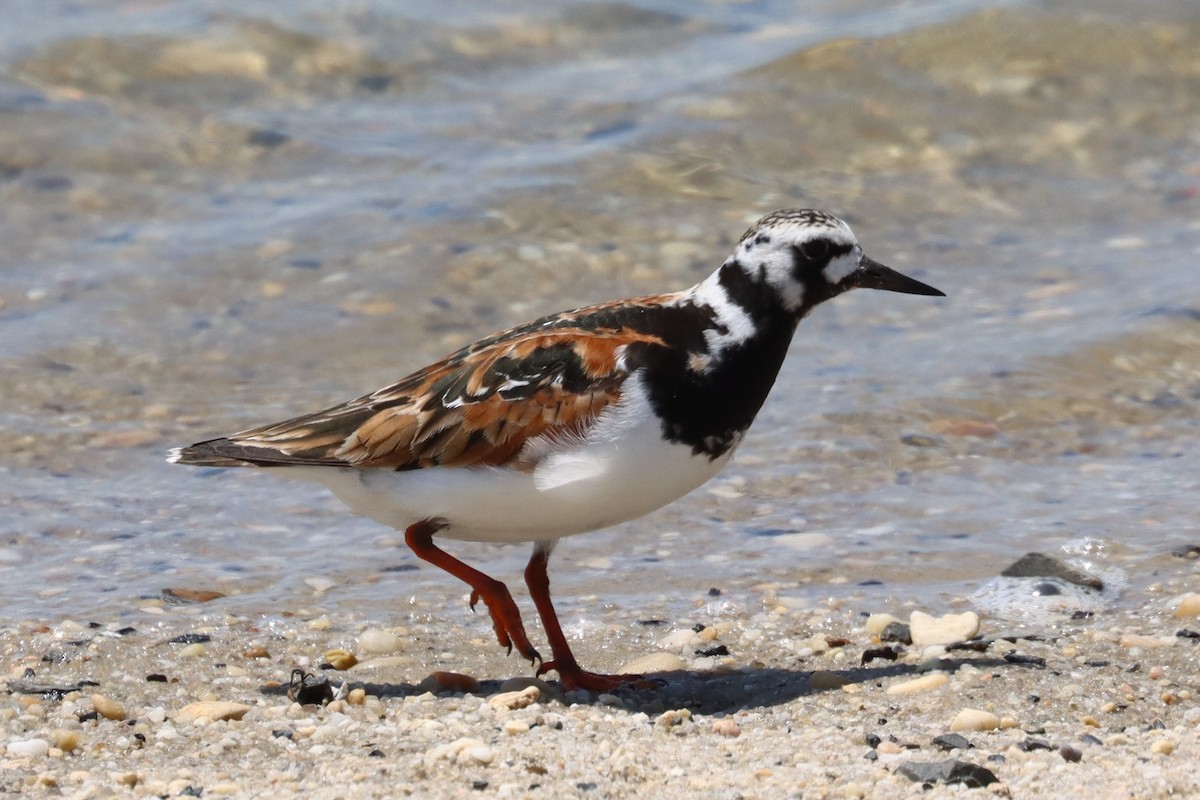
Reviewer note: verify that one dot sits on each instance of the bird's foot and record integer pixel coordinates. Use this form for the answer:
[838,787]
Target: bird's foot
[575,678]
[506,619]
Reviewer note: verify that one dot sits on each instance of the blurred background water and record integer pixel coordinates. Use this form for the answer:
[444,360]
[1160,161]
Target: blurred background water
[216,215]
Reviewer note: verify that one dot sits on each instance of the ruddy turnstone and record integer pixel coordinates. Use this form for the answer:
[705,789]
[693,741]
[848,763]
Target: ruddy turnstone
[572,422]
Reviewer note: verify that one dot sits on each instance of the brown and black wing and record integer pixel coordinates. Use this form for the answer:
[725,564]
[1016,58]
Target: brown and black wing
[478,406]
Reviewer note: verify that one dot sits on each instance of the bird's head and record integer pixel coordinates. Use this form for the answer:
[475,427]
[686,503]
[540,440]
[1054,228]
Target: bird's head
[807,256]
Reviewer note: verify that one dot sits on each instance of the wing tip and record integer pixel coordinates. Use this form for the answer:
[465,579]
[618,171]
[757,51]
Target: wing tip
[213,453]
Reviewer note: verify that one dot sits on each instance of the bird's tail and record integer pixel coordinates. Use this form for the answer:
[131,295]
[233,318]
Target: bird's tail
[229,453]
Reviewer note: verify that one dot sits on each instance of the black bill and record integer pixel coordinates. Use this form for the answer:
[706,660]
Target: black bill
[873,275]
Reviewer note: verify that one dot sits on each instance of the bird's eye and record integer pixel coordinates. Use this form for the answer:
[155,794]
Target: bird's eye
[814,250]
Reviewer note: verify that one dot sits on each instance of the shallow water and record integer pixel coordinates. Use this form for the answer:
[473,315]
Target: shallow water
[213,221]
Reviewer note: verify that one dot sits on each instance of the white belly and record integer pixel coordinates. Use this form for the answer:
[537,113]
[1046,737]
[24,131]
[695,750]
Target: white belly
[622,470]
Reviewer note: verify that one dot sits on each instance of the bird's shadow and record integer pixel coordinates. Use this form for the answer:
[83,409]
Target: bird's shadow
[715,692]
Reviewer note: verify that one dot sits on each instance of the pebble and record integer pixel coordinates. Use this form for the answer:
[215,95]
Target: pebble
[448,682]
[654,662]
[340,659]
[1070,754]
[380,642]
[727,727]
[28,748]
[515,727]
[672,718]
[1188,606]
[1146,642]
[680,641]
[64,740]
[519,682]
[922,684]
[927,630]
[510,701]
[972,719]
[462,751]
[107,707]
[212,710]
[1163,747]
[876,623]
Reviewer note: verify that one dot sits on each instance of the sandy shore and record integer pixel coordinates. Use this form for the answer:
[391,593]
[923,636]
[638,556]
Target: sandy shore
[771,700]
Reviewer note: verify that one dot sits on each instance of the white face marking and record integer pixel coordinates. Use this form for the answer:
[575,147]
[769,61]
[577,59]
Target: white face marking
[842,266]
[767,251]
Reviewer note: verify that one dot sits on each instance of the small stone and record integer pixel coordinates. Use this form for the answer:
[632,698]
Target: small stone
[182,594]
[876,623]
[64,740]
[340,659]
[28,748]
[257,651]
[896,632]
[194,650]
[380,642]
[679,641]
[107,707]
[889,748]
[727,727]
[521,682]
[126,778]
[1146,642]
[357,697]
[946,629]
[510,701]
[922,684]
[515,727]
[1188,606]
[448,682]
[672,718]
[212,710]
[1070,754]
[952,741]
[1040,565]
[972,719]
[652,663]
[966,773]
[1162,747]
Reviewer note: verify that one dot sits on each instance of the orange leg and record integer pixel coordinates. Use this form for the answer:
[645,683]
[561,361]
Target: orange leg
[506,619]
[564,661]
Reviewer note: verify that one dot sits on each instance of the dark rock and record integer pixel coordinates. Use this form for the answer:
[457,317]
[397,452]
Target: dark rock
[951,771]
[1025,661]
[885,653]
[896,632]
[190,638]
[1069,753]
[952,741]
[1040,565]
[719,650]
[1031,744]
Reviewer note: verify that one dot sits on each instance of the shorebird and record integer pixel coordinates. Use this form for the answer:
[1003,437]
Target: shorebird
[572,422]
